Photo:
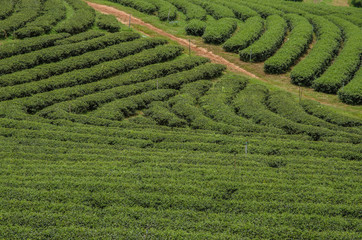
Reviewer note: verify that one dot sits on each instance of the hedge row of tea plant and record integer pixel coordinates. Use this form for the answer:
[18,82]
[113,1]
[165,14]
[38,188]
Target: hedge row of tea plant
[346,63]
[24,12]
[268,43]
[250,103]
[39,101]
[85,60]
[316,62]
[218,11]
[248,33]
[321,111]
[56,53]
[108,22]
[297,43]
[126,107]
[80,37]
[29,45]
[241,12]
[140,5]
[53,12]
[92,101]
[215,104]
[285,105]
[195,27]
[82,76]
[160,112]
[192,11]
[219,31]
[165,10]
[351,94]
[7,8]
[82,19]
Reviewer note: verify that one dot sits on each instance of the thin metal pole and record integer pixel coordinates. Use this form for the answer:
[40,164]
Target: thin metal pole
[129,22]
[251,52]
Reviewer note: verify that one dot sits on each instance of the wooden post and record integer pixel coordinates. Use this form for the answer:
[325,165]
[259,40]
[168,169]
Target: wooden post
[190,47]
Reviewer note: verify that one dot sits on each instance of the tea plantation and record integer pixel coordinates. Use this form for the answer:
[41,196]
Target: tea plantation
[108,134]
[317,45]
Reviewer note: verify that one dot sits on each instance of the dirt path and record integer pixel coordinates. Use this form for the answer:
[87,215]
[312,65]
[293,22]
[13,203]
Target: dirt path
[124,18]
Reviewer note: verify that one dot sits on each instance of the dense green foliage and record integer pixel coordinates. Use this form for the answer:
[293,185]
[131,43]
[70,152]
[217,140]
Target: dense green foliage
[195,27]
[81,20]
[108,22]
[165,10]
[351,94]
[297,43]
[219,31]
[346,63]
[31,44]
[247,34]
[25,11]
[53,12]
[323,52]
[117,136]
[7,8]
[192,11]
[356,3]
[268,43]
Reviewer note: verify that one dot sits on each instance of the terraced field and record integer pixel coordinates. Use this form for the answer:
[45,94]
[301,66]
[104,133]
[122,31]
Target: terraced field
[316,46]
[109,134]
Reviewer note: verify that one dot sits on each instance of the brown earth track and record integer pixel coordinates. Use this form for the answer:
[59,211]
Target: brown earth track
[124,18]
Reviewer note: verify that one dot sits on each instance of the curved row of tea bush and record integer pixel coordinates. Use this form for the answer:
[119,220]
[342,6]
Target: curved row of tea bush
[80,37]
[92,101]
[250,103]
[81,20]
[215,104]
[218,11]
[195,27]
[29,45]
[320,111]
[192,11]
[248,33]
[268,43]
[351,94]
[25,11]
[346,63]
[263,10]
[97,72]
[316,62]
[219,31]
[56,53]
[297,43]
[126,107]
[165,10]
[140,5]
[241,12]
[85,60]
[7,8]
[285,105]
[53,12]
[39,101]
[108,23]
